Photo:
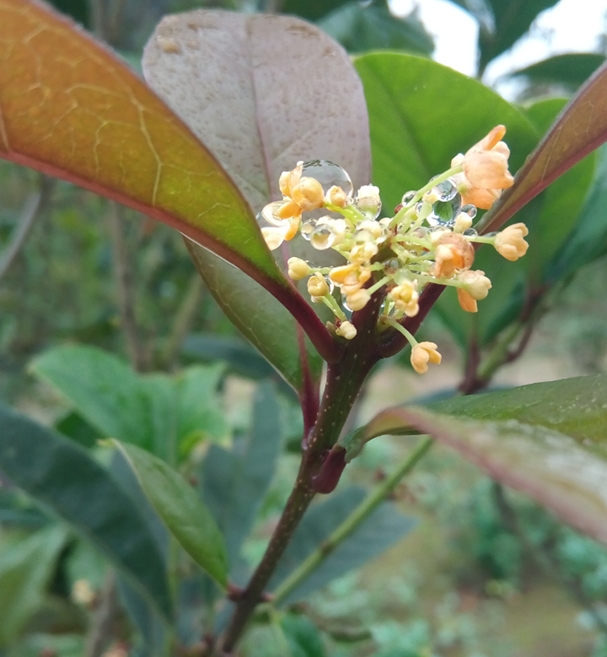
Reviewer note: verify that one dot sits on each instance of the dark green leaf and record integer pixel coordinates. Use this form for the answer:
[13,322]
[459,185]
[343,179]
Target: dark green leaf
[77,9]
[384,527]
[184,514]
[570,70]
[302,636]
[260,318]
[74,426]
[63,476]
[240,357]
[481,10]
[311,10]
[235,483]
[25,571]
[359,28]
[512,19]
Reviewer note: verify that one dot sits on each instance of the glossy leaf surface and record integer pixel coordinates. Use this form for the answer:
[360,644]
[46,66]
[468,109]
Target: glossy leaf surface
[184,514]
[70,108]
[63,477]
[422,114]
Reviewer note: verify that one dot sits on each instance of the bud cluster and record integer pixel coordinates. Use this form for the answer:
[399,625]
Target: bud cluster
[428,240]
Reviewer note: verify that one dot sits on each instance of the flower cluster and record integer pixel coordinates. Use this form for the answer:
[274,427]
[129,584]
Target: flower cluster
[428,240]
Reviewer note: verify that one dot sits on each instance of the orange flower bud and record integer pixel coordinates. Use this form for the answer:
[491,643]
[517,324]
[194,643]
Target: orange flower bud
[422,354]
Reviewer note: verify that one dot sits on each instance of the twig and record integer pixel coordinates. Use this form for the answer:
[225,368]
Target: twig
[33,207]
[352,522]
[103,619]
[186,313]
[123,275]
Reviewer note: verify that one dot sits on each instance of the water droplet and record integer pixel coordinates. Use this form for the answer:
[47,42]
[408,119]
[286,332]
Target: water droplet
[307,228]
[445,190]
[328,174]
[370,211]
[470,233]
[444,212]
[408,196]
[470,210]
[268,217]
[322,237]
[492,234]
[391,266]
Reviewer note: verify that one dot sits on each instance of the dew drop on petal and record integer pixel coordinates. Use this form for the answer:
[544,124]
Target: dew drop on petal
[445,190]
[328,174]
[307,228]
[470,210]
[322,237]
[470,233]
[267,215]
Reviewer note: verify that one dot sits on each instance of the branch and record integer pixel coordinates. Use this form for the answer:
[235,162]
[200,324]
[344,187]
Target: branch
[104,619]
[35,204]
[123,275]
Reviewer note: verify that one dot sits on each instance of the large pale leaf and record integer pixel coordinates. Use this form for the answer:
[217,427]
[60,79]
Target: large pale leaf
[263,91]
[422,114]
[65,478]
[184,514]
[562,474]
[70,108]
[580,129]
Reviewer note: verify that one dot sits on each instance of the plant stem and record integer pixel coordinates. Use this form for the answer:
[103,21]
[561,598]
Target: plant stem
[123,275]
[105,616]
[33,207]
[352,522]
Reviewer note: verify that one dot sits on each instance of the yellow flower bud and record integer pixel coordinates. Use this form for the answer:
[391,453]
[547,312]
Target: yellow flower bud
[346,330]
[336,196]
[308,194]
[423,353]
[466,301]
[510,243]
[463,221]
[358,300]
[477,284]
[453,253]
[298,268]
[317,286]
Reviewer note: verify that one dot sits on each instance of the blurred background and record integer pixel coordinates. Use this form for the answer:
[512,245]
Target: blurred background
[486,572]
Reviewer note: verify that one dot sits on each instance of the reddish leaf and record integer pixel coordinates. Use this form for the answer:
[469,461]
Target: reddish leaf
[70,108]
[580,129]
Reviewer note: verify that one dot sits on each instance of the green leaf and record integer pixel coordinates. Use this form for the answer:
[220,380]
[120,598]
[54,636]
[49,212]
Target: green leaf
[63,477]
[359,28]
[263,321]
[512,20]
[384,527]
[74,426]
[25,571]
[77,9]
[236,353]
[104,390]
[570,70]
[302,636]
[562,474]
[163,414]
[576,407]
[422,114]
[184,514]
[235,483]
